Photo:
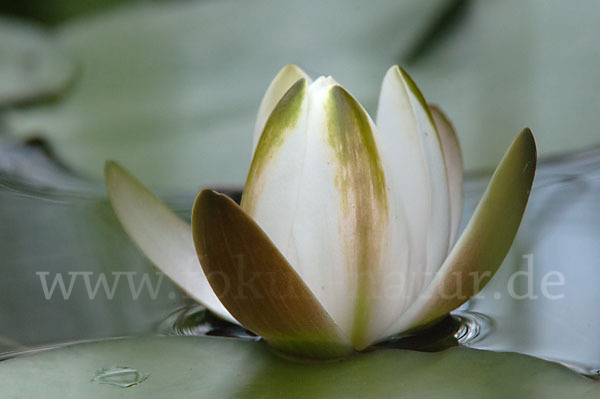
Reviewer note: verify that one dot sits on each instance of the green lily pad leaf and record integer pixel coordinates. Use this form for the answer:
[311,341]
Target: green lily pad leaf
[207,367]
[171,90]
[31,65]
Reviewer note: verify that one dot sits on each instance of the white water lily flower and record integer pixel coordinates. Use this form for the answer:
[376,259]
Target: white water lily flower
[347,230]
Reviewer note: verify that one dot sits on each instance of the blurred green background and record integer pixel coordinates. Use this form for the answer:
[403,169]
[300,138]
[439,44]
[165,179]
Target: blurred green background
[171,88]
[54,12]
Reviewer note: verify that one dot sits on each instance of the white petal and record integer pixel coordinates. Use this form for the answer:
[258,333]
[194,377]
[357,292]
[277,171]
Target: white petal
[320,196]
[288,75]
[162,236]
[416,171]
[487,238]
[454,167]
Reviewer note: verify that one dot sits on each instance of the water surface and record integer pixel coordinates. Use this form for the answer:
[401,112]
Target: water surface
[55,224]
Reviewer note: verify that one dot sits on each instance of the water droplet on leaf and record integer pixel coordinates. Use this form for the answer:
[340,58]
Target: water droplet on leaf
[123,377]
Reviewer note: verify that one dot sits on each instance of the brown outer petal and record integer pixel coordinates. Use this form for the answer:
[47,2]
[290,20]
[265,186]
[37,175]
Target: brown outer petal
[256,283]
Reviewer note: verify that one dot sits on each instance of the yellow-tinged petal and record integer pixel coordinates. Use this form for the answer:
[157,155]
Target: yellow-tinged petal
[317,188]
[280,149]
[257,284]
[161,235]
[361,182]
[485,241]
[285,79]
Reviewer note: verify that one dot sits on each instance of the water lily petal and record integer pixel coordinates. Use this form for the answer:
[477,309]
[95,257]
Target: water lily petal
[320,195]
[161,235]
[454,168]
[257,284]
[485,241]
[285,79]
[416,171]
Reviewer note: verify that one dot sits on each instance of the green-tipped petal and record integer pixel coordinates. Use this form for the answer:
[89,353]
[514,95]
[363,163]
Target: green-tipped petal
[285,79]
[257,284]
[361,185]
[454,168]
[161,235]
[486,240]
[318,190]
[280,149]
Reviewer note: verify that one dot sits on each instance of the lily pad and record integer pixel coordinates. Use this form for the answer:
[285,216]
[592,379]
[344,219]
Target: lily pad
[198,367]
[31,65]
